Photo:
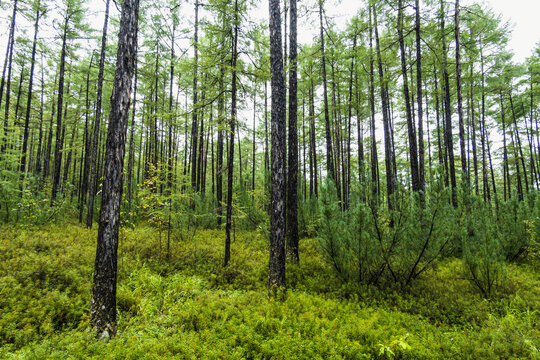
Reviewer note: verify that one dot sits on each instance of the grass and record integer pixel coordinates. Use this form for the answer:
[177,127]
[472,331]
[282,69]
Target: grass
[190,307]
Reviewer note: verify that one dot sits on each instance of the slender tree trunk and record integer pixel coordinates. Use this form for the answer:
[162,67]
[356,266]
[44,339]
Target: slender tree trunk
[59,137]
[374,157]
[253,143]
[410,123]
[230,160]
[518,140]
[460,96]
[171,115]
[95,141]
[292,173]
[421,152]
[219,172]
[103,304]
[448,115]
[9,56]
[388,149]
[313,145]
[40,140]
[329,153]
[86,171]
[194,123]
[473,125]
[29,99]
[131,155]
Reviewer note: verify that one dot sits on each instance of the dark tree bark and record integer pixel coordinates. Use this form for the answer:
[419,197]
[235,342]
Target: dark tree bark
[374,160]
[276,273]
[253,143]
[388,148]
[313,145]
[9,57]
[421,152]
[352,78]
[460,96]
[86,162]
[518,140]
[230,160]
[48,149]
[506,172]
[219,160]
[131,155]
[448,114]
[40,140]
[59,137]
[171,115]
[329,154]
[95,141]
[473,126]
[103,304]
[292,173]
[30,84]
[410,122]
[194,123]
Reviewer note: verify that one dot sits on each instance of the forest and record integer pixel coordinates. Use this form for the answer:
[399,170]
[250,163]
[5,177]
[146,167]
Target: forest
[267,180]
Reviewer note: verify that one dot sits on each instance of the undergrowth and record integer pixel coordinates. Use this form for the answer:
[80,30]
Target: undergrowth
[189,306]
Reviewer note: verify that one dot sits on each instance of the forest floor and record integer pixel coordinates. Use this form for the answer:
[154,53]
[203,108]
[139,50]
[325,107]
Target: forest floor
[188,306]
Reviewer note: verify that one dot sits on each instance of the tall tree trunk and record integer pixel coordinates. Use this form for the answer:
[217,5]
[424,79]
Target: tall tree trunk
[103,304]
[473,125]
[460,96]
[59,137]
[29,99]
[313,145]
[230,160]
[374,160]
[131,155]
[421,152]
[329,153]
[86,171]
[219,165]
[410,123]
[448,115]
[292,173]
[9,56]
[171,115]
[388,149]
[95,141]
[253,143]
[194,123]
[276,273]
[40,140]
[518,140]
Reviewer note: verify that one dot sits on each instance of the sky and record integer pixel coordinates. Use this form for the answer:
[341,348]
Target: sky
[524,15]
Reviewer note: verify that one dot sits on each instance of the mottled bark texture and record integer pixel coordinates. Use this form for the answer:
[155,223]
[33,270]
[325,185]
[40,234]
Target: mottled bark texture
[292,174]
[103,304]
[276,273]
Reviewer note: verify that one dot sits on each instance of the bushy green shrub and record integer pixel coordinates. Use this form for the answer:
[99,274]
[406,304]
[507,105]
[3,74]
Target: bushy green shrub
[513,217]
[376,246]
[483,253]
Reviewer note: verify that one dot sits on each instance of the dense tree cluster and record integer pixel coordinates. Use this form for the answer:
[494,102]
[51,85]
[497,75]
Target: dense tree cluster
[234,123]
